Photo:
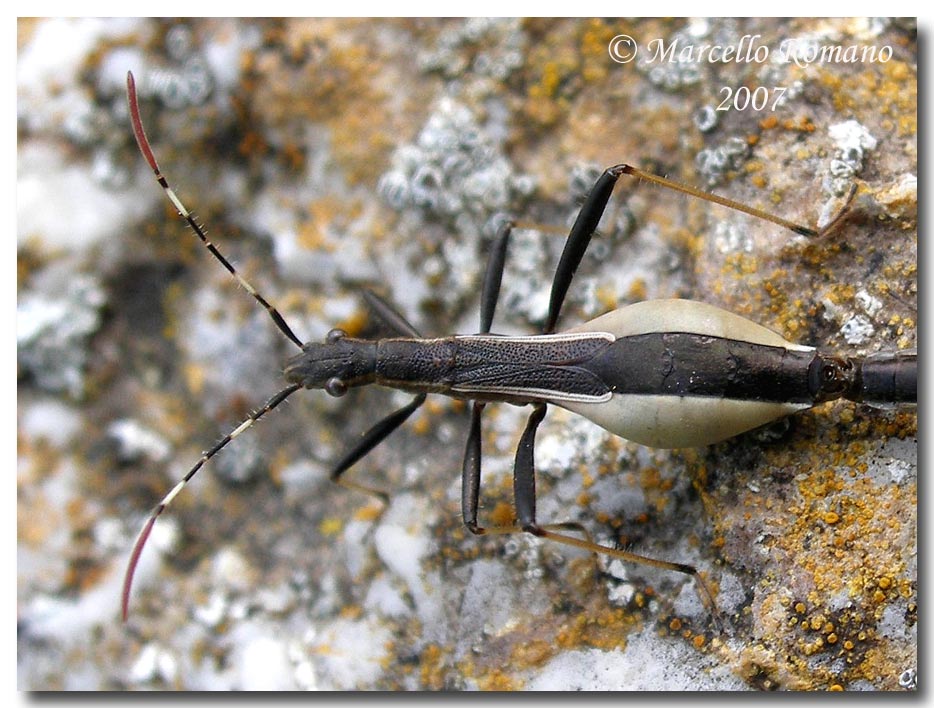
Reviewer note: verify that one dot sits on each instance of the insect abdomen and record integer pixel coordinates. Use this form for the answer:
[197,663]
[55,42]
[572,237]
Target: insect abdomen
[887,377]
[685,374]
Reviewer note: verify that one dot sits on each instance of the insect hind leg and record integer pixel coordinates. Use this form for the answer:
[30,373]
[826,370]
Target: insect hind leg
[524,491]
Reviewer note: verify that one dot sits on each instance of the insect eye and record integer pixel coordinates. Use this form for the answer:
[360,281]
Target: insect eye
[335,335]
[335,387]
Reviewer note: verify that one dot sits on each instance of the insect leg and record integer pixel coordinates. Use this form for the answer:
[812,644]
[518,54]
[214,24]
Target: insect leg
[370,439]
[157,512]
[524,472]
[389,315]
[578,240]
[524,490]
[595,204]
[470,477]
[493,277]
[384,428]
[146,149]
[524,493]
[708,197]
[838,219]
[470,490]
[523,484]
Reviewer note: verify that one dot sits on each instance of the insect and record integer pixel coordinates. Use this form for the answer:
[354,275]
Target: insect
[663,373]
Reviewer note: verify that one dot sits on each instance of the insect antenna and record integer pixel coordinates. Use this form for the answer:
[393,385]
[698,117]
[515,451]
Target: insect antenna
[146,149]
[161,506]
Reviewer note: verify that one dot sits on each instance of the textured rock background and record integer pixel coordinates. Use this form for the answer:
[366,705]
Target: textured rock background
[324,155]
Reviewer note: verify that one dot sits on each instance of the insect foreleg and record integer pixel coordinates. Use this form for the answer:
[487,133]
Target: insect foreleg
[389,316]
[370,439]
